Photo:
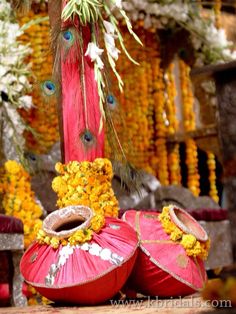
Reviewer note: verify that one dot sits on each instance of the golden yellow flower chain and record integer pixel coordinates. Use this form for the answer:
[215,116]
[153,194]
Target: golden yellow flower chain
[217,11]
[187,97]
[174,164]
[193,180]
[19,200]
[171,112]
[211,162]
[192,246]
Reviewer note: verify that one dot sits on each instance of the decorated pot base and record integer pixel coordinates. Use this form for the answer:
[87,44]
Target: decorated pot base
[162,267]
[88,273]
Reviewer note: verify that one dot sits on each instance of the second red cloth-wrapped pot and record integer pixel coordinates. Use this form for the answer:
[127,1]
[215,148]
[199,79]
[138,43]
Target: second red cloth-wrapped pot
[89,273]
[163,267]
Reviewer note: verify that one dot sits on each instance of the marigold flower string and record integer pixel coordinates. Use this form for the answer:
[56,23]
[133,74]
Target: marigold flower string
[19,199]
[192,246]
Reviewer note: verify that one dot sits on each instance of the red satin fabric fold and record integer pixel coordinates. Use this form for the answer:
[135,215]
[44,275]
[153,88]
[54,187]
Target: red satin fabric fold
[74,108]
[162,268]
[85,278]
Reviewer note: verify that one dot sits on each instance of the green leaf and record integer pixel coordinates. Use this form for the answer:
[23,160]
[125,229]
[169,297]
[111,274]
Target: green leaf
[129,26]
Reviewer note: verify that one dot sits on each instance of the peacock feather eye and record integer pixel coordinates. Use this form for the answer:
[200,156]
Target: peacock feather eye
[49,88]
[87,138]
[68,36]
[111,101]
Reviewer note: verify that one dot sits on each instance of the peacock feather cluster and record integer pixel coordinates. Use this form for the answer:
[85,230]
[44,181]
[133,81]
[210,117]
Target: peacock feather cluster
[101,16]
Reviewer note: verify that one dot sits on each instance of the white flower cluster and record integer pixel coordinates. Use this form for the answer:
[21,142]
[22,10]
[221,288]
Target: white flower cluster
[14,83]
[94,52]
[210,43]
[156,14]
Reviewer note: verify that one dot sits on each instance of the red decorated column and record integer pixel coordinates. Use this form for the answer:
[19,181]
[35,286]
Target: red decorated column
[82,136]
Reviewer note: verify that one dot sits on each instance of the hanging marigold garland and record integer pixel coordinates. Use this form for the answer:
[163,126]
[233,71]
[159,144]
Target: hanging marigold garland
[170,106]
[19,200]
[160,119]
[193,180]
[217,10]
[174,164]
[136,103]
[211,162]
[172,127]
[187,97]
[149,106]
[43,117]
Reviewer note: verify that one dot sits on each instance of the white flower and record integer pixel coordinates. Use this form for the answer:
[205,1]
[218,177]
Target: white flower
[110,29]
[95,249]
[113,51]
[25,102]
[64,254]
[94,52]
[105,254]
[109,39]
[118,4]
[85,246]
[110,46]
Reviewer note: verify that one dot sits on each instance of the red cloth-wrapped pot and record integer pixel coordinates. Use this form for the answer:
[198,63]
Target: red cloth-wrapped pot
[162,267]
[89,273]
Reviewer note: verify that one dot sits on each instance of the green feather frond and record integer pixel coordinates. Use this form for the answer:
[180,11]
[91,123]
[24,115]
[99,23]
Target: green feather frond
[130,178]
[87,11]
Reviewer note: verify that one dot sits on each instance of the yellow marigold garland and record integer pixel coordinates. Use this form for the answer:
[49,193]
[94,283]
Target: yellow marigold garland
[192,246]
[19,200]
[217,11]
[171,113]
[192,166]
[187,97]
[86,183]
[193,182]
[211,162]
[174,164]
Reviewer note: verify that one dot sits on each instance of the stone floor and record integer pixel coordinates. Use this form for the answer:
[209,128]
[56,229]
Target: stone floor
[190,305]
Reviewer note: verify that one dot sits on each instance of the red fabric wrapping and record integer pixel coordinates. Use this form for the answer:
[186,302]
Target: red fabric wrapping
[206,214]
[10,224]
[85,278]
[162,268]
[74,113]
